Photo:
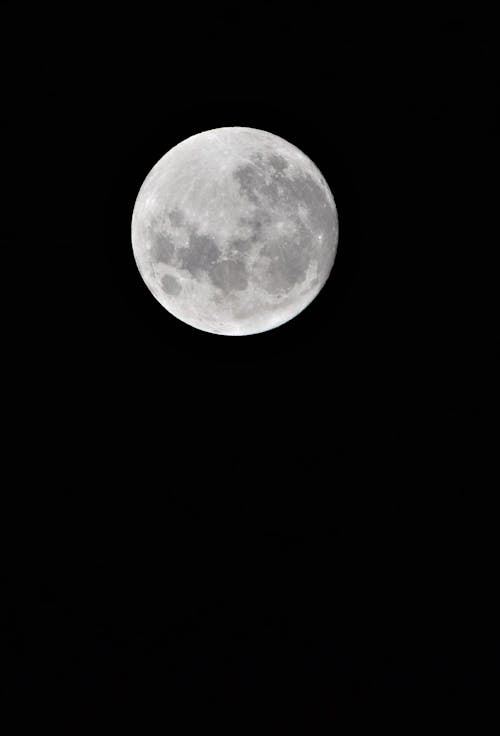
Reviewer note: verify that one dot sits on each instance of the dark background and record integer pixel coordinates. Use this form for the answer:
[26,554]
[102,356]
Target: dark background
[293,528]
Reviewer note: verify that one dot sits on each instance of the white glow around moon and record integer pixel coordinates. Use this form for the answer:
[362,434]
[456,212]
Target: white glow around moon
[234,231]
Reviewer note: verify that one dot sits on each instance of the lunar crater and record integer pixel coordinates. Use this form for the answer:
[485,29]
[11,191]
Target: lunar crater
[170,285]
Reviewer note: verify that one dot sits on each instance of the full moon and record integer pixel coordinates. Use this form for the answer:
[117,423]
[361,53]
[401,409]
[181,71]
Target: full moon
[234,231]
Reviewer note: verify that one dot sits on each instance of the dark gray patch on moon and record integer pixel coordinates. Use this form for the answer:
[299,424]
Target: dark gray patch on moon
[256,222]
[162,247]
[252,182]
[241,245]
[229,276]
[176,217]
[170,285]
[278,163]
[290,260]
[275,280]
[200,255]
[323,220]
[312,196]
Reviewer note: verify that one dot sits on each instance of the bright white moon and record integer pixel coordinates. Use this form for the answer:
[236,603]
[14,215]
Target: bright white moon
[234,231]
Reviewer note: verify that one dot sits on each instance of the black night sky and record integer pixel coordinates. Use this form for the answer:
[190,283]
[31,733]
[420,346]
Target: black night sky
[287,529]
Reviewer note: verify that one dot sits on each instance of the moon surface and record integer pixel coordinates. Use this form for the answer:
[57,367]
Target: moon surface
[234,231]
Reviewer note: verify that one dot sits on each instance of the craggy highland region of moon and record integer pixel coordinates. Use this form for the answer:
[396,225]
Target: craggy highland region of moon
[234,231]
